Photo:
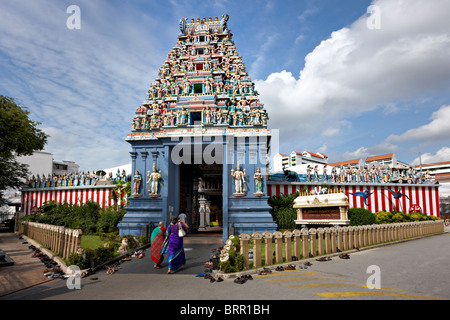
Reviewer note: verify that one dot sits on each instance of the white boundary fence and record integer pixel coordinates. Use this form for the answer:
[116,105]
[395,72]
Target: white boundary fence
[62,241]
[304,243]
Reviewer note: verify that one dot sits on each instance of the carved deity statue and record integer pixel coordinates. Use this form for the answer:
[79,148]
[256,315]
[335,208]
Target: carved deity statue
[239,180]
[137,182]
[258,176]
[153,181]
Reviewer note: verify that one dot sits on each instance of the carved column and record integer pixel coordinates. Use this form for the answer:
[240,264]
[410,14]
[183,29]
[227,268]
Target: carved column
[376,233]
[243,238]
[313,241]
[296,234]
[288,245]
[320,233]
[202,211]
[350,237]
[278,246]
[268,247]
[333,239]
[345,238]
[256,236]
[305,243]
[339,238]
[361,236]
[327,240]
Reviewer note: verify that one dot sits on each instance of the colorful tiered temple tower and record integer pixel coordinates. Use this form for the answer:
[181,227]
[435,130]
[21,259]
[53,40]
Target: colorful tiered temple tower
[200,139]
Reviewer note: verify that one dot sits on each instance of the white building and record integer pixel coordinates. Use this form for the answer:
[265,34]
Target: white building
[279,162]
[42,163]
[306,157]
[296,161]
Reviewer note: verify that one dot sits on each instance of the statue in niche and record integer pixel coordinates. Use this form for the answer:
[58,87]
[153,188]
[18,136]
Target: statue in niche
[182,26]
[223,22]
[239,181]
[258,176]
[137,183]
[153,181]
[207,115]
[182,116]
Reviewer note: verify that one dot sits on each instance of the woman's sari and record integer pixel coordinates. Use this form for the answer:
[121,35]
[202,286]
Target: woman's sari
[157,240]
[177,258]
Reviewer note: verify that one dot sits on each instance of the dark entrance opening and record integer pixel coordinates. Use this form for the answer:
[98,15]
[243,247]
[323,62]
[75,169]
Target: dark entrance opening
[198,88]
[201,197]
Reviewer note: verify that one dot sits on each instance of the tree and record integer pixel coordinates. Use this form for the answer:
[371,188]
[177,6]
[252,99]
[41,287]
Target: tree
[19,136]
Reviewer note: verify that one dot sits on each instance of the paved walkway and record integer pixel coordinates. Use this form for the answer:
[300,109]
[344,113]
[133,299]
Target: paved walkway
[26,271]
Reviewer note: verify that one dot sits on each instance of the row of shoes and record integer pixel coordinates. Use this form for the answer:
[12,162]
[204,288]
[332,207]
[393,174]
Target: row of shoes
[210,277]
[264,271]
[52,269]
[290,267]
[323,259]
[138,254]
[112,268]
[243,279]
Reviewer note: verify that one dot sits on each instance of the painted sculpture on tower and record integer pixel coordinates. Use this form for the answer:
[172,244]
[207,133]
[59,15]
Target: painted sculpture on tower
[154,180]
[203,81]
[239,181]
[137,184]
[258,176]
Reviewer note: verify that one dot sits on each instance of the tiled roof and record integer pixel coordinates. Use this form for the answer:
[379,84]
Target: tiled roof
[433,164]
[381,157]
[343,163]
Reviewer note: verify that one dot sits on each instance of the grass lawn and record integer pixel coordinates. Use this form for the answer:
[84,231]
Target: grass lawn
[91,242]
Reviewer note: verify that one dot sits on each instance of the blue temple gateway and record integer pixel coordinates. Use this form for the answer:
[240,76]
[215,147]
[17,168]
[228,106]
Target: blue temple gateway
[200,140]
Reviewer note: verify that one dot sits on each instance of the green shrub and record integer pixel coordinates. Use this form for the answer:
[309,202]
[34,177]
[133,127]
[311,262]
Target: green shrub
[282,211]
[109,219]
[360,216]
[88,217]
[382,217]
[77,260]
[235,262]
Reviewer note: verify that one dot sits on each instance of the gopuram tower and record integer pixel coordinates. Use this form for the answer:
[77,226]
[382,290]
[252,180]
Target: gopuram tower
[200,140]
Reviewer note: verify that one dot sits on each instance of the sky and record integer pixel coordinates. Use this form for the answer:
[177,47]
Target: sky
[348,78]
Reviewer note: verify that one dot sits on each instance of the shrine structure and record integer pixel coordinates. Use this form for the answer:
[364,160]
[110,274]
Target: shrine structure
[200,139]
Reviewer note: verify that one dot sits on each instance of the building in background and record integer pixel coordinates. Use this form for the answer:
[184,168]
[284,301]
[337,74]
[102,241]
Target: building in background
[306,157]
[440,173]
[354,164]
[39,163]
[42,163]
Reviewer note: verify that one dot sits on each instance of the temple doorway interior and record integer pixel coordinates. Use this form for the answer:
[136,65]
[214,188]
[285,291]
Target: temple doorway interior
[201,197]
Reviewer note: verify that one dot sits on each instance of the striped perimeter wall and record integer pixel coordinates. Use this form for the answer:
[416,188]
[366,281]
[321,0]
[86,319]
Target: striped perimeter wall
[424,195]
[34,198]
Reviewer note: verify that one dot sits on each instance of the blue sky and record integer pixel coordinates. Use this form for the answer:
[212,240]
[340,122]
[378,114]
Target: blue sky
[330,83]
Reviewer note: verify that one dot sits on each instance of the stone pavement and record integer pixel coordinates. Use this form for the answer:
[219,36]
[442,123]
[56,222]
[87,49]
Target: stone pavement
[27,271]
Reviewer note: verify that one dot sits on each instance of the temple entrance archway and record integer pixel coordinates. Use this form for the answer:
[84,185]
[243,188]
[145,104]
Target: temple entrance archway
[201,197]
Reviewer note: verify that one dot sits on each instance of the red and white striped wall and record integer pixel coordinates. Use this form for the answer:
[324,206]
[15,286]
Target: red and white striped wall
[426,196]
[34,198]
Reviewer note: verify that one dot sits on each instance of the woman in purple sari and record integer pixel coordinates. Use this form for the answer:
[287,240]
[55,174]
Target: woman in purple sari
[177,258]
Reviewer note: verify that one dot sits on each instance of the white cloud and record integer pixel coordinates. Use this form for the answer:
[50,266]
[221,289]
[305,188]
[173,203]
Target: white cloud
[82,85]
[438,129]
[442,155]
[364,152]
[358,70]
